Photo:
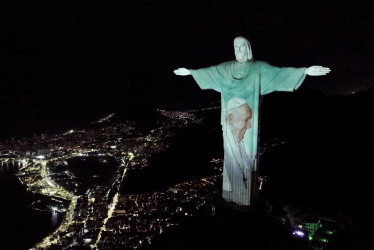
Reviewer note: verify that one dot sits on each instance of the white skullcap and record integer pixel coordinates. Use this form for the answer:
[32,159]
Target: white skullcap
[235,102]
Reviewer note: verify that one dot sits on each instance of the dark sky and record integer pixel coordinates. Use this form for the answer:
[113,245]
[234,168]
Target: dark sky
[53,51]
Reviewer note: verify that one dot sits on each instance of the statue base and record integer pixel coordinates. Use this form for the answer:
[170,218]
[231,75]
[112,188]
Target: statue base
[232,205]
[220,201]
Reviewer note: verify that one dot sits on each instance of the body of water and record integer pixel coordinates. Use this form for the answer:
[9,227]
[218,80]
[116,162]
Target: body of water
[21,226]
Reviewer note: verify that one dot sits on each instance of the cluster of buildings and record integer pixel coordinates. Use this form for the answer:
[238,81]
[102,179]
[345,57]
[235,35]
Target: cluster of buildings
[100,216]
[138,218]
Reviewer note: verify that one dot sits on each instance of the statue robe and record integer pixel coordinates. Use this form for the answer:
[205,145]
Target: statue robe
[246,81]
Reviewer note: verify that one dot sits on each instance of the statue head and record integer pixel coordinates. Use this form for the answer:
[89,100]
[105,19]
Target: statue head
[238,117]
[242,49]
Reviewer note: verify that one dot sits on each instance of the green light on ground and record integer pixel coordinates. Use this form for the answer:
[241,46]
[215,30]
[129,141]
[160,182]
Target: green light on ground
[310,238]
[323,240]
[329,232]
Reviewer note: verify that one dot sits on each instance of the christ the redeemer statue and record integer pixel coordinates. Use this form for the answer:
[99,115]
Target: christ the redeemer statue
[241,82]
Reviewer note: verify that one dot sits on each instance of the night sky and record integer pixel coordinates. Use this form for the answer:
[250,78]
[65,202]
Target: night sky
[76,57]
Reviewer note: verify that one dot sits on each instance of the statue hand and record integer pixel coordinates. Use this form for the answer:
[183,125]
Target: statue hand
[317,71]
[182,72]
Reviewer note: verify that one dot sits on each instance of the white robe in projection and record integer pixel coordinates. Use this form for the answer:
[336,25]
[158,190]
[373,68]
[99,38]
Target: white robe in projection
[247,81]
[237,168]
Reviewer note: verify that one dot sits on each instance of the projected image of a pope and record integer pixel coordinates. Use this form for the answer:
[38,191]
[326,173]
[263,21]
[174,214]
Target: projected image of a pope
[238,161]
[238,117]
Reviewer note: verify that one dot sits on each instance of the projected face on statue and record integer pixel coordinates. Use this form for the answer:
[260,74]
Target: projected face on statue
[238,118]
[242,49]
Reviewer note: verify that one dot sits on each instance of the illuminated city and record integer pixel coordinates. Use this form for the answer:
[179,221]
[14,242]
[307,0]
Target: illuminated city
[96,213]
[101,216]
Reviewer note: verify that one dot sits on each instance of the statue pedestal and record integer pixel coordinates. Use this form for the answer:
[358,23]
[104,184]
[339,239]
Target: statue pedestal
[218,202]
[222,203]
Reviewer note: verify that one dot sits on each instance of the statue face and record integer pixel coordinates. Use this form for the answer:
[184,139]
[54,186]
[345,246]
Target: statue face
[239,120]
[241,50]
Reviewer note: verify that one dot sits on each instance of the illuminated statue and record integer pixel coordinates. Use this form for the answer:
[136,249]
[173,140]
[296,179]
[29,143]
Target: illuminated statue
[241,82]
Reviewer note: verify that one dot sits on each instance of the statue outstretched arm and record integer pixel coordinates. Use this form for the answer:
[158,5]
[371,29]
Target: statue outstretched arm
[317,71]
[182,72]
